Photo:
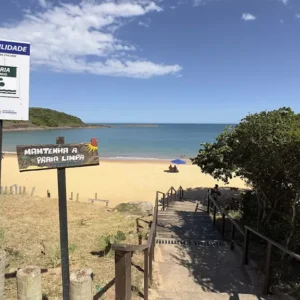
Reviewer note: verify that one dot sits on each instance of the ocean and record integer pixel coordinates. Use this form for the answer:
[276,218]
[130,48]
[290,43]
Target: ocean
[162,141]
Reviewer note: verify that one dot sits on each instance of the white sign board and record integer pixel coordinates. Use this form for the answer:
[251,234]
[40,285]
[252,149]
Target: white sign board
[14,80]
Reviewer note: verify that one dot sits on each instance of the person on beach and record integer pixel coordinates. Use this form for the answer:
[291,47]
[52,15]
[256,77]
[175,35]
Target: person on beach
[216,193]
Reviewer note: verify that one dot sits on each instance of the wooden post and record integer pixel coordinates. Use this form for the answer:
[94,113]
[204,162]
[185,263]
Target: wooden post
[2,273]
[1,139]
[6,190]
[168,196]
[29,283]
[81,285]
[95,196]
[164,202]
[223,225]
[77,197]
[16,189]
[232,236]
[71,196]
[267,270]
[48,194]
[123,275]
[20,190]
[215,213]
[146,274]
[208,203]
[63,226]
[11,190]
[246,247]
[32,192]
[24,190]
[0,190]
[151,258]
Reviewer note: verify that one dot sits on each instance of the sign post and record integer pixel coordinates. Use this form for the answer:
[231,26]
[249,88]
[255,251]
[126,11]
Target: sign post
[14,84]
[63,226]
[59,156]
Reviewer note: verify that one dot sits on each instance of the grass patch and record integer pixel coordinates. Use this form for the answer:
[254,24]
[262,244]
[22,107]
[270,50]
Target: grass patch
[31,229]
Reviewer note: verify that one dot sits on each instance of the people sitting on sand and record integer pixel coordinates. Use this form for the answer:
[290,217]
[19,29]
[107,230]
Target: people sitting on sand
[175,169]
[170,168]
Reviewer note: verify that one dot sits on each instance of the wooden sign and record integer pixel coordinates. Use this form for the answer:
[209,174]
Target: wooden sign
[41,157]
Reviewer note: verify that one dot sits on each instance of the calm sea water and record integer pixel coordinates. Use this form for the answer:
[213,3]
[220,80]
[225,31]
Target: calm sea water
[163,141]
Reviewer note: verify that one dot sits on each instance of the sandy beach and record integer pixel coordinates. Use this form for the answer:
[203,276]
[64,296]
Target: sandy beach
[117,181]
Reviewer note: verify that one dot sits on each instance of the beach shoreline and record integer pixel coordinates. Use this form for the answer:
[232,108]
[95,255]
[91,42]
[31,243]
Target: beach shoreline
[118,181]
[124,159]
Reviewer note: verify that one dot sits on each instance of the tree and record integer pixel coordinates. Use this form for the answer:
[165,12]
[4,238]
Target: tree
[264,149]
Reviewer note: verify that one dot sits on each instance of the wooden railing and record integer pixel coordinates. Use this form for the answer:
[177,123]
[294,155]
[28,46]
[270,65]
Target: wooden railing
[271,244]
[211,202]
[123,253]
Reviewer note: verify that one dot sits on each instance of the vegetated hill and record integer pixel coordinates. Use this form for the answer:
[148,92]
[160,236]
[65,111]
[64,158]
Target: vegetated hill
[44,117]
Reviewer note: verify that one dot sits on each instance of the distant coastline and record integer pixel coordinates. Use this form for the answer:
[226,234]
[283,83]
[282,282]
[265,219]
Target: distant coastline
[21,127]
[36,128]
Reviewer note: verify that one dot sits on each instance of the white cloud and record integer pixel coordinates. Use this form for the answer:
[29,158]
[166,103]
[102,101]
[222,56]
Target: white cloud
[285,2]
[81,38]
[43,3]
[248,17]
[143,24]
[298,16]
[198,2]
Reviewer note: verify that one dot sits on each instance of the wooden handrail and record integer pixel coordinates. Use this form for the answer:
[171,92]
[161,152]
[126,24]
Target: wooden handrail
[123,254]
[246,234]
[223,212]
[273,243]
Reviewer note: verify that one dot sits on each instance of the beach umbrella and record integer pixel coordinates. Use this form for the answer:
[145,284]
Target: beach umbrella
[178,162]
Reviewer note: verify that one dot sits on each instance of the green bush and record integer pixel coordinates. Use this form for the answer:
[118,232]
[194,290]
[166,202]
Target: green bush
[263,149]
[105,241]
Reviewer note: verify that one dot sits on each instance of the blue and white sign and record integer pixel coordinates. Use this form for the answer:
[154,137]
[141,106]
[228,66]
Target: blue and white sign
[14,80]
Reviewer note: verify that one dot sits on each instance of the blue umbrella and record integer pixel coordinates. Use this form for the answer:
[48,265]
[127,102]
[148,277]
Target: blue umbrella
[178,162]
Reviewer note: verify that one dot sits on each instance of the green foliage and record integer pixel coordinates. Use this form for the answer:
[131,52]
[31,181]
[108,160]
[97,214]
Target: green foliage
[52,118]
[105,241]
[72,248]
[44,117]
[264,149]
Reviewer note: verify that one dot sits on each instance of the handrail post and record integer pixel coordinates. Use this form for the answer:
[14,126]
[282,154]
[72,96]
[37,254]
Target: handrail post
[123,275]
[163,202]
[168,199]
[223,225]
[151,256]
[208,203]
[267,270]
[232,236]
[246,246]
[215,212]
[146,273]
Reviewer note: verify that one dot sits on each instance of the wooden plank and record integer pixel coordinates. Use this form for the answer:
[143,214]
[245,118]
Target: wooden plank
[267,270]
[41,157]
[123,275]
[146,274]
[98,200]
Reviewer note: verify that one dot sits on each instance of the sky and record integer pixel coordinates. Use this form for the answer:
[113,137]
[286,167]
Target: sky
[159,61]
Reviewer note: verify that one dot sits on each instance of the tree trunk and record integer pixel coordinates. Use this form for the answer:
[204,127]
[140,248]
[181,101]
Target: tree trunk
[293,221]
